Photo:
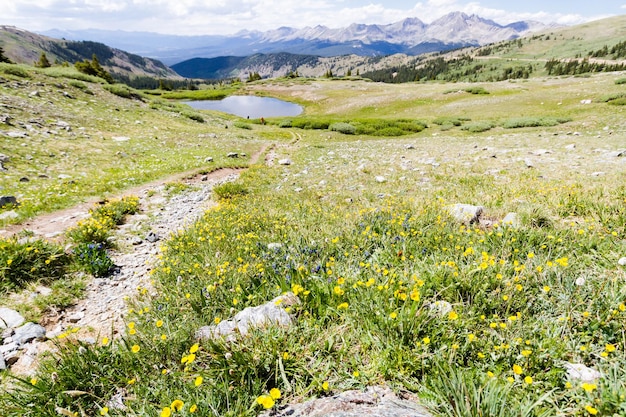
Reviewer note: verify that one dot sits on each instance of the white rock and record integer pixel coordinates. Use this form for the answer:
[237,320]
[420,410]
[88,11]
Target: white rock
[465,213]
[284,161]
[380,178]
[580,372]
[622,261]
[271,313]
[120,138]
[511,220]
[10,319]
[440,308]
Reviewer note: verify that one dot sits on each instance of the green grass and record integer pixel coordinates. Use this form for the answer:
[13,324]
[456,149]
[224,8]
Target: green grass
[475,319]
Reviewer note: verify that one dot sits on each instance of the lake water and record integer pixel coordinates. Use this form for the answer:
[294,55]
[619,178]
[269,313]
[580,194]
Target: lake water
[249,106]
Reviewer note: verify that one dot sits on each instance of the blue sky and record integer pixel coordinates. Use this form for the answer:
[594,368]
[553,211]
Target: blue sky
[196,17]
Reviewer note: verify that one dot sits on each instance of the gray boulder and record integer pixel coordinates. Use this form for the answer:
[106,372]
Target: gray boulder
[29,332]
[10,319]
[285,161]
[8,200]
[377,401]
[270,313]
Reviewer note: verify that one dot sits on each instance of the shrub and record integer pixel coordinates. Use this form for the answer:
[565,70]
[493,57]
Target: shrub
[285,123]
[476,90]
[23,261]
[620,81]
[123,91]
[11,69]
[116,210]
[520,122]
[477,127]
[229,190]
[193,116]
[242,125]
[93,259]
[618,102]
[449,120]
[341,127]
[91,230]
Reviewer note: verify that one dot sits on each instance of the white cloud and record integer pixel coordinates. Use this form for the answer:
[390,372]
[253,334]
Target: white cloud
[229,16]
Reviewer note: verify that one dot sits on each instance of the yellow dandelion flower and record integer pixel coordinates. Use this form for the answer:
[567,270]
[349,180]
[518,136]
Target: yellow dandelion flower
[131,381]
[105,341]
[356,374]
[453,315]
[325,386]
[510,379]
[193,408]
[588,386]
[609,348]
[490,374]
[163,337]
[591,410]
[528,380]
[517,370]
[177,405]
[393,315]
[104,411]
[342,306]
[198,381]
[166,412]
[159,323]
[135,348]
[266,401]
[194,348]
[526,352]
[275,393]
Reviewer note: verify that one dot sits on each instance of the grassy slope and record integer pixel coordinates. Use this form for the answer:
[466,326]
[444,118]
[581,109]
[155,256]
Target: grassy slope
[387,250]
[97,164]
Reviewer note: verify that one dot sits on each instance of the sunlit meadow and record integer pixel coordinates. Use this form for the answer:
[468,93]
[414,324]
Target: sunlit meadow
[477,319]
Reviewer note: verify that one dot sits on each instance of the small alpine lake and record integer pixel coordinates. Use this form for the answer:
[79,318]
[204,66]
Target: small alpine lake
[249,106]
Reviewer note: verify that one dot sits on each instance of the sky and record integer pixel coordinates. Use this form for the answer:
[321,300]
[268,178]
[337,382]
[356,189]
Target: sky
[225,17]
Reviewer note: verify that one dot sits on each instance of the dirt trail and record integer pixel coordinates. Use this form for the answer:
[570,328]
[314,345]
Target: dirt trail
[52,225]
[102,310]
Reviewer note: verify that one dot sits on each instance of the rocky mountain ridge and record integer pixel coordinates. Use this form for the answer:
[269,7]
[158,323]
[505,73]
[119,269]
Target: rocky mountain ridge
[410,36]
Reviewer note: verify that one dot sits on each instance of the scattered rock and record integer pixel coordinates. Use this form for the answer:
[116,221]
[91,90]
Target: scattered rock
[120,138]
[465,213]
[528,163]
[10,319]
[580,372]
[511,220]
[232,155]
[3,364]
[376,401]
[440,308]
[8,215]
[410,146]
[622,261]
[270,313]
[285,161]
[380,178]
[540,152]
[585,101]
[29,332]
[4,158]
[152,237]
[274,246]
[8,200]
[75,317]
[571,147]
[208,159]
[24,179]
[64,176]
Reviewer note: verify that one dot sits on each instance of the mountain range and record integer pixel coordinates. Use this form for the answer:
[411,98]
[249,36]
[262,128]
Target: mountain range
[410,36]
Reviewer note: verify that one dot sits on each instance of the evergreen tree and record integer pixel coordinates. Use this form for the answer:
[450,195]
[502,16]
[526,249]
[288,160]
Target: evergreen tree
[43,61]
[4,58]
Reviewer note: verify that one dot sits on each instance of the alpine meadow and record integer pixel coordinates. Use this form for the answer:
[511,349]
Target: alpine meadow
[445,236]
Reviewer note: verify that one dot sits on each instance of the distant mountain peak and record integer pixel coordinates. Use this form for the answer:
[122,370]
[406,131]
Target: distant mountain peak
[453,30]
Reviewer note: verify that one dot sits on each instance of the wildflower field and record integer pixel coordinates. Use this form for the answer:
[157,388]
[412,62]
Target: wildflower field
[477,319]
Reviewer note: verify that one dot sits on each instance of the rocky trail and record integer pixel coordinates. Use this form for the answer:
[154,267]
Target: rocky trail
[100,313]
